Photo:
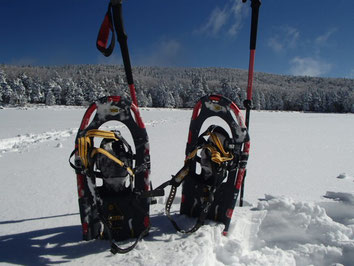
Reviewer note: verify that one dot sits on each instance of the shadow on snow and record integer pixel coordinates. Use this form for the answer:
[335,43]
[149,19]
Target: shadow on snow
[63,244]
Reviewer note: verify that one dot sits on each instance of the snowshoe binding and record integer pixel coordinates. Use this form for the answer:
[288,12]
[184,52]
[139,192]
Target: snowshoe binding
[212,193]
[117,209]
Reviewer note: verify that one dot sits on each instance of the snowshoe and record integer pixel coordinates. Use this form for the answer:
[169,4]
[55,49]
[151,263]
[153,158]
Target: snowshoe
[116,209]
[212,193]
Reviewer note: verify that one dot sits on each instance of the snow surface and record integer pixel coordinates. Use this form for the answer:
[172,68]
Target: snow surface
[299,193]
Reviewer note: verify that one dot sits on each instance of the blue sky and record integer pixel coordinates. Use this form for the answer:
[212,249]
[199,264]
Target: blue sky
[301,37]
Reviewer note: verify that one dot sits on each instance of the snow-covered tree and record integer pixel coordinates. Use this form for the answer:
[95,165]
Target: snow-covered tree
[19,92]
[56,90]
[70,89]
[179,87]
[50,98]
[37,91]
[3,84]
[170,100]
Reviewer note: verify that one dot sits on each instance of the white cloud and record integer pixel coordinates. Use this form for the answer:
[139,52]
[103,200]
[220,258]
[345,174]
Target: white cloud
[351,74]
[307,66]
[285,38]
[164,53]
[239,12]
[322,39]
[226,20]
[292,36]
[170,48]
[167,52]
[216,20]
[275,44]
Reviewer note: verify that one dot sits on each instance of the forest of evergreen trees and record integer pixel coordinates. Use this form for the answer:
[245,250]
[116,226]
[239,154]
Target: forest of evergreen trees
[172,87]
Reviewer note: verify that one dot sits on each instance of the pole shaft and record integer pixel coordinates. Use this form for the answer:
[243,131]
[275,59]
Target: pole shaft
[248,103]
[122,39]
[250,74]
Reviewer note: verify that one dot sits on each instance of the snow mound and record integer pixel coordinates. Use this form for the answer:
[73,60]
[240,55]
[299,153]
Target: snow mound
[303,232]
[279,231]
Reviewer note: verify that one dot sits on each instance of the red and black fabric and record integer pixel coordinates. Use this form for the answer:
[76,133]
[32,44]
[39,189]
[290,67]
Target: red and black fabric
[103,35]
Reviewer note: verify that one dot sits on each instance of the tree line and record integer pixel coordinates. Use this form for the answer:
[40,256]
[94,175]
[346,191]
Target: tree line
[172,87]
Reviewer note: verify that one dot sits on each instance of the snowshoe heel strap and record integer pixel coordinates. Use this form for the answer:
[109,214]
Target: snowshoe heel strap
[116,249]
[201,218]
[114,245]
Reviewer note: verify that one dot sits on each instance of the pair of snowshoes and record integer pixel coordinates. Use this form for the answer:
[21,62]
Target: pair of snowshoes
[113,179]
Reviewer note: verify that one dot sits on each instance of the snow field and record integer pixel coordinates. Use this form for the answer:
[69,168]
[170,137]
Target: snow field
[299,193]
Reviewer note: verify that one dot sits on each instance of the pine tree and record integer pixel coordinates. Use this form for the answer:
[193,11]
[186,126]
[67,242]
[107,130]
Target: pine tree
[170,101]
[3,85]
[37,91]
[70,90]
[79,96]
[19,92]
[50,98]
[55,89]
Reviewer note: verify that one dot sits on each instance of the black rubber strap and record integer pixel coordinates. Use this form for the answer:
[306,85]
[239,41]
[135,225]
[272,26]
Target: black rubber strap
[114,245]
[201,218]
[73,165]
[116,249]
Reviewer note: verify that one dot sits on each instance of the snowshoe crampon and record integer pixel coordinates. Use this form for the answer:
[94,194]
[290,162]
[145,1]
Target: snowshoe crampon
[212,193]
[115,209]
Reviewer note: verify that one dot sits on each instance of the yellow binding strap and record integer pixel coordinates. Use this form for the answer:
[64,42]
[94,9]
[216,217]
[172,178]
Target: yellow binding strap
[113,158]
[192,154]
[216,156]
[182,174]
[101,134]
[84,143]
[218,143]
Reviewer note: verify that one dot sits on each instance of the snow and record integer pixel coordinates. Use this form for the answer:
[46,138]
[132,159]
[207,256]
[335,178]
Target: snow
[299,193]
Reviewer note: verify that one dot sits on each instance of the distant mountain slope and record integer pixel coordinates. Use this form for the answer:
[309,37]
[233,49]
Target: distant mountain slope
[172,87]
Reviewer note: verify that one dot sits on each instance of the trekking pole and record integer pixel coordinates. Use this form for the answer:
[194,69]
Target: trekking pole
[255,4]
[102,41]
[122,39]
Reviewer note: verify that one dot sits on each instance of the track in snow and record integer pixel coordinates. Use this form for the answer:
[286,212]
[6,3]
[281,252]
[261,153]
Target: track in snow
[22,142]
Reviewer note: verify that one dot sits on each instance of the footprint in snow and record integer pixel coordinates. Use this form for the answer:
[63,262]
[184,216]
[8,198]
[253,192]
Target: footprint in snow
[59,145]
[345,176]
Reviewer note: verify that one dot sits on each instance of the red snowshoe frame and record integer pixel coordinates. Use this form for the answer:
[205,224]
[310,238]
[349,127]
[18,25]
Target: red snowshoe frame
[221,202]
[133,211]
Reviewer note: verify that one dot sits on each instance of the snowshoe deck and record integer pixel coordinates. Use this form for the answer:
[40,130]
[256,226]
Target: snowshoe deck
[122,213]
[205,199]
